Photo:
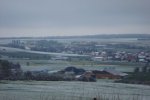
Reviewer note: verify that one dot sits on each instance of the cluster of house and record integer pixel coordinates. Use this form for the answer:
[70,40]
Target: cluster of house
[121,56]
[95,51]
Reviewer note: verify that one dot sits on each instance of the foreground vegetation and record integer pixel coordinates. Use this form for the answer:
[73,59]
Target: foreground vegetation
[62,90]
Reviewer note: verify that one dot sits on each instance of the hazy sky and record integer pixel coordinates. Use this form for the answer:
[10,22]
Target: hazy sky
[73,17]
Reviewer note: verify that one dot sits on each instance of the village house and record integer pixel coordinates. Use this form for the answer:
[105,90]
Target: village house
[141,57]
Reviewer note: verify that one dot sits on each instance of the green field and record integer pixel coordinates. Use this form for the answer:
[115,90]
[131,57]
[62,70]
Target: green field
[60,90]
[88,65]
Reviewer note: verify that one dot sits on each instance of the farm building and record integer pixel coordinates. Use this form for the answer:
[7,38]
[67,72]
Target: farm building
[108,74]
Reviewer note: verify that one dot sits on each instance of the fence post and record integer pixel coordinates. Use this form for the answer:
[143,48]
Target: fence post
[94,99]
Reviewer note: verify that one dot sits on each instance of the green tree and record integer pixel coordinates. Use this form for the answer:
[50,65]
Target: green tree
[136,70]
[5,68]
[28,75]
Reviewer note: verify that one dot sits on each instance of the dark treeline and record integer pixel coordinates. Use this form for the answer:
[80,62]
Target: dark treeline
[9,70]
[139,76]
[48,46]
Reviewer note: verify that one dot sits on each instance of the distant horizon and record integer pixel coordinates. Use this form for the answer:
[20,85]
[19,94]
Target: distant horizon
[57,36]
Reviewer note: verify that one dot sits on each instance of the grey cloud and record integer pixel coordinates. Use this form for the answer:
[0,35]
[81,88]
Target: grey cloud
[73,13]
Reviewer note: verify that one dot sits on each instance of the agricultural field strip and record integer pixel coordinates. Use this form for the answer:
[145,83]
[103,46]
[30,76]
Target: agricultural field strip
[67,87]
[9,49]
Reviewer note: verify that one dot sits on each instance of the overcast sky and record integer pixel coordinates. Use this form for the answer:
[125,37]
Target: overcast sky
[73,17]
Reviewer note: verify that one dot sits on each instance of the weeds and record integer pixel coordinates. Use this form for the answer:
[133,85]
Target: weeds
[72,91]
